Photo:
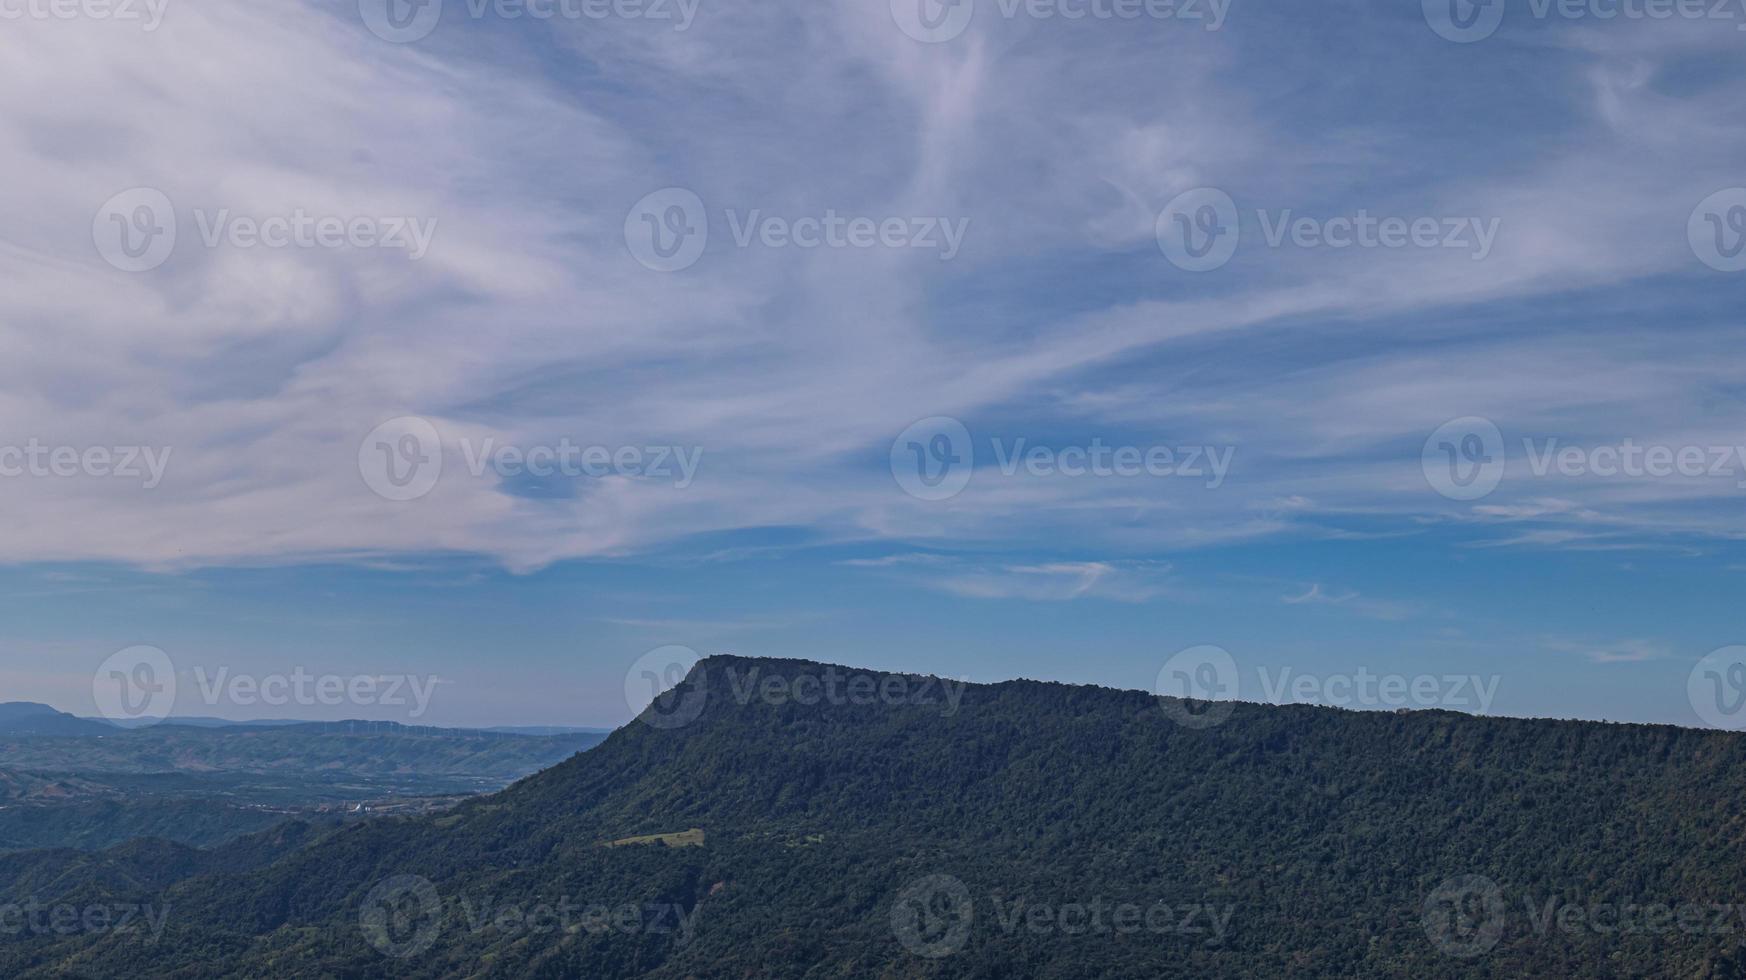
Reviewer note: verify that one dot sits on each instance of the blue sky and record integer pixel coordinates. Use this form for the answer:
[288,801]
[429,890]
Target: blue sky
[1578,292]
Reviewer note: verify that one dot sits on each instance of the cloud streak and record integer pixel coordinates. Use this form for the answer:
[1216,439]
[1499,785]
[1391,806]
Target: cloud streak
[527,321]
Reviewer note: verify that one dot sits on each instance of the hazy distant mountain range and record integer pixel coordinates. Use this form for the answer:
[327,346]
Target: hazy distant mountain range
[754,825]
[85,783]
[31,718]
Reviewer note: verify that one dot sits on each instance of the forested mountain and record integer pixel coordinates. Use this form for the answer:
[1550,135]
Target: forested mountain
[801,820]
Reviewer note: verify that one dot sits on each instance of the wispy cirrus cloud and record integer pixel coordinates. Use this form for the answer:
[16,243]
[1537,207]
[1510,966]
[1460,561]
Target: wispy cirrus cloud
[528,321]
[1354,602]
[1616,652]
[1055,581]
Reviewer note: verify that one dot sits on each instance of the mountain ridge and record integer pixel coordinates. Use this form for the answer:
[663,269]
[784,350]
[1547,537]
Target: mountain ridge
[33,718]
[1315,839]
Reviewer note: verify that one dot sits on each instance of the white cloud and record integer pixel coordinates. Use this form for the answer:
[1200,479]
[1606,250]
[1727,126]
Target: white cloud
[528,322]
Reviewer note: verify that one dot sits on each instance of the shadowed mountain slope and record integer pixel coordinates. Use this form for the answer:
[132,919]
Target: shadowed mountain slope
[857,824]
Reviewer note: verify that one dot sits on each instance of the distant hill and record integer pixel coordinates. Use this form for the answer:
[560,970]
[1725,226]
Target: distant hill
[547,730]
[1013,830]
[358,749]
[199,786]
[29,718]
[200,721]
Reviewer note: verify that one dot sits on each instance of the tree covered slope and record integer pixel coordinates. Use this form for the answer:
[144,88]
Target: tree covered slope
[823,827]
